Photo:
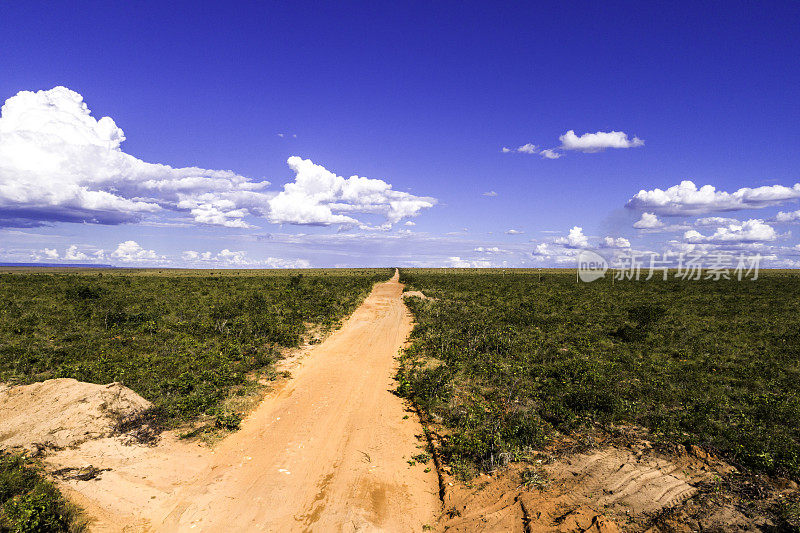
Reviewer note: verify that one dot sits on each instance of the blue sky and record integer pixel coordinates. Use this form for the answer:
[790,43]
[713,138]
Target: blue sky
[423,97]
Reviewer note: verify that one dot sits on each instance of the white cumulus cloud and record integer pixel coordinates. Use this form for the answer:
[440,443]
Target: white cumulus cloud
[277,262]
[73,254]
[791,216]
[587,143]
[549,153]
[618,242]
[597,142]
[527,148]
[317,196]
[542,249]
[60,164]
[575,239]
[559,253]
[687,199]
[457,262]
[49,254]
[714,221]
[753,230]
[648,221]
[131,251]
[236,258]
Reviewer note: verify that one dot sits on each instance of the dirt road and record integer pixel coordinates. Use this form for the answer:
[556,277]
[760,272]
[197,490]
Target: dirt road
[329,452]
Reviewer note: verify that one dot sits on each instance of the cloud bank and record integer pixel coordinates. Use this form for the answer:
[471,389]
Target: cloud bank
[60,164]
[753,230]
[320,197]
[687,199]
[239,258]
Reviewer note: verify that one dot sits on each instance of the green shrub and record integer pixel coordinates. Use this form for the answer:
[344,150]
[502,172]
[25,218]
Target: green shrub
[504,358]
[182,340]
[29,503]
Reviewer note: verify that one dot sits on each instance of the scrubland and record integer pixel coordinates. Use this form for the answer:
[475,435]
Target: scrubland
[506,362]
[188,341]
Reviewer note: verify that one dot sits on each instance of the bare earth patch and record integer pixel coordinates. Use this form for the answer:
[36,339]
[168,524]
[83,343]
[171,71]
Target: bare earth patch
[60,413]
[610,487]
[417,294]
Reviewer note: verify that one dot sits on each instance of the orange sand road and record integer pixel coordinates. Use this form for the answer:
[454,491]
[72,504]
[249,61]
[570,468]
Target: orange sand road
[329,452]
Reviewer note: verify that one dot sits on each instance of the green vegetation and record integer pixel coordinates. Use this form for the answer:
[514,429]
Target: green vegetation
[507,359]
[29,503]
[182,339]
[185,340]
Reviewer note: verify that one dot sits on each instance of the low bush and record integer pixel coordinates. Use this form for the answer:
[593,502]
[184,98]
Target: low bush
[504,359]
[182,340]
[28,502]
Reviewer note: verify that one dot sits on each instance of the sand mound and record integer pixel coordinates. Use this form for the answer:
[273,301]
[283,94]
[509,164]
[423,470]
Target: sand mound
[416,294]
[63,412]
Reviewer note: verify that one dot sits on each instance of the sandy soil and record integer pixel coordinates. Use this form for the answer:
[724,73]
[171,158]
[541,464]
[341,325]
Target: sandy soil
[326,452]
[596,491]
[617,485]
[417,294]
[63,412]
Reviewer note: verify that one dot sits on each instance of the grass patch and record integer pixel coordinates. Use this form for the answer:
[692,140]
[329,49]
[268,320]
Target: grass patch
[183,341]
[505,359]
[29,503]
